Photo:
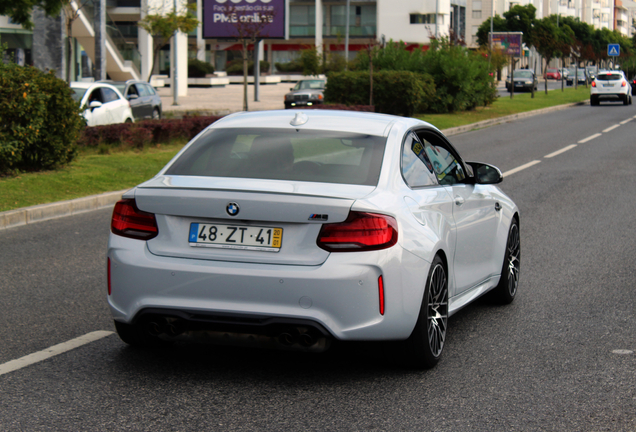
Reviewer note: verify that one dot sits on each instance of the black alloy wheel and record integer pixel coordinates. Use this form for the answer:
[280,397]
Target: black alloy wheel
[506,290]
[425,345]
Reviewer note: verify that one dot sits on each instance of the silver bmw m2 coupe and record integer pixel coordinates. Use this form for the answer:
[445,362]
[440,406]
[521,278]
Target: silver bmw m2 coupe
[295,228]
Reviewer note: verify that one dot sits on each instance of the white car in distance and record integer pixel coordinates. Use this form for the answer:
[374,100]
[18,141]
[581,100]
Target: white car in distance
[610,86]
[101,103]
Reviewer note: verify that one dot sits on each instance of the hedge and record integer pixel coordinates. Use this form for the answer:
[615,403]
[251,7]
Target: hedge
[146,132]
[394,92]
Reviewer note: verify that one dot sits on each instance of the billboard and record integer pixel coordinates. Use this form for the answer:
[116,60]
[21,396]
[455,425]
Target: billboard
[509,42]
[222,19]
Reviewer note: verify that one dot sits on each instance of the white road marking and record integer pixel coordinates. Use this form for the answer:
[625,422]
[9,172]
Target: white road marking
[611,128]
[590,138]
[521,168]
[622,351]
[626,121]
[39,356]
[558,152]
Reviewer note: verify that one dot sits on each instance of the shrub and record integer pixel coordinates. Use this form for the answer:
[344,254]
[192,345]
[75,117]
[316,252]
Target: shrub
[310,59]
[199,69]
[461,77]
[137,136]
[39,120]
[290,67]
[235,67]
[394,92]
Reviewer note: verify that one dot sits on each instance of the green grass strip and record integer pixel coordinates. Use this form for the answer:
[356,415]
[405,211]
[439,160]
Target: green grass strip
[94,173]
[504,106]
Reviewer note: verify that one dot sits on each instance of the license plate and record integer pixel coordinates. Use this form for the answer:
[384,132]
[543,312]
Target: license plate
[256,238]
[608,85]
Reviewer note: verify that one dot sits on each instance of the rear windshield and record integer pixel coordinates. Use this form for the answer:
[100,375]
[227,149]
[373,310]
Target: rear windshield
[284,154]
[522,74]
[609,77]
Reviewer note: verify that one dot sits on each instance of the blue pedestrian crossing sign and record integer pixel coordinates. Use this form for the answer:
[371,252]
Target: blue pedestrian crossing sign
[613,50]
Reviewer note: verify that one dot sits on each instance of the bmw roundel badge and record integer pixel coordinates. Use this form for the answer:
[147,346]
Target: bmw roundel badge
[232,208]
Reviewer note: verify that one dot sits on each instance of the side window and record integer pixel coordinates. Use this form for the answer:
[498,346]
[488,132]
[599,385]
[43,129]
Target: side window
[149,89]
[109,95]
[96,95]
[446,165]
[142,90]
[132,90]
[417,169]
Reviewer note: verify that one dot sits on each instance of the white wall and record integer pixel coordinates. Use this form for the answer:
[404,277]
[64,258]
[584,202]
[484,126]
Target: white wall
[394,19]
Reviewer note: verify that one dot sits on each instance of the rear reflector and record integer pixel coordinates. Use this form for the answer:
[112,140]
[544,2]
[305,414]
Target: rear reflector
[381,290]
[360,232]
[108,276]
[129,221]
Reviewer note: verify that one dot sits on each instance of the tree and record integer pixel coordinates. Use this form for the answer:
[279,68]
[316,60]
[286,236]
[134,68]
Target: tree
[162,28]
[522,18]
[249,26]
[499,25]
[550,40]
[20,10]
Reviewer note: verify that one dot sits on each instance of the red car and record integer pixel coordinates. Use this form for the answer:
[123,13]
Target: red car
[552,74]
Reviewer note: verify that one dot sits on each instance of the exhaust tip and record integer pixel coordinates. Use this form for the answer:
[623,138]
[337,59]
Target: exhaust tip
[307,340]
[286,339]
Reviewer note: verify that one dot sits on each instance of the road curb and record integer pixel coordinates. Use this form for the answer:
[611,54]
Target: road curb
[42,212]
[38,213]
[492,122]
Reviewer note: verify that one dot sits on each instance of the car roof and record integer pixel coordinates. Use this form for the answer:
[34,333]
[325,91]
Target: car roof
[331,120]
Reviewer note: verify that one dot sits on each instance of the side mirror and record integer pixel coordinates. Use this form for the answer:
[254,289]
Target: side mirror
[133,96]
[291,89]
[485,173]
[94,104]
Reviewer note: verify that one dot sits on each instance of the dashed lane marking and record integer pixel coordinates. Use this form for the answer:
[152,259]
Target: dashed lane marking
[590,138]
[626,121]
[520,168]
[63,347]
[611,128]
[558,152]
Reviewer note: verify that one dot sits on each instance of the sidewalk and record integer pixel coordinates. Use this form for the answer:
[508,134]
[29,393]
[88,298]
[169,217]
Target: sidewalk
[225,100]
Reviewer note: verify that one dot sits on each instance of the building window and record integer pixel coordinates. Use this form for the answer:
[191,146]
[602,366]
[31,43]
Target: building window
[425,19]
[596,13]
[605,18]
[604,3]
[476,14]
[302,20]
[362,20]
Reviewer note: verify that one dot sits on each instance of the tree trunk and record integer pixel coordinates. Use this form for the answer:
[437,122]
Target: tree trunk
[370,78]
[244,74]
[547,62]
[69,47]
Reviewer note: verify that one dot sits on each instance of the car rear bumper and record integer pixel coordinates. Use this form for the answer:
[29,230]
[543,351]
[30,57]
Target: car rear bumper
[341,295]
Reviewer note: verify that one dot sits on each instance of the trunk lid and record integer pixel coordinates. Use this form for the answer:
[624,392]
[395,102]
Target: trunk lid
[298,208]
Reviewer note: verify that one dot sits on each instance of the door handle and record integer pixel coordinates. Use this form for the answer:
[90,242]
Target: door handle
[459,200]
[497,206]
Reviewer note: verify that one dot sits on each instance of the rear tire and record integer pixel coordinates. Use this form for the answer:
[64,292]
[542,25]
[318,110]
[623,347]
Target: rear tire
[506,290]
[156,115]
[593,101]
[128,120]
[425,345]
[626,100]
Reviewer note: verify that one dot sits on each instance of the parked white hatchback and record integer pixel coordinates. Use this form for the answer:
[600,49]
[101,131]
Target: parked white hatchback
[292,228]
[101,103]
[610,86]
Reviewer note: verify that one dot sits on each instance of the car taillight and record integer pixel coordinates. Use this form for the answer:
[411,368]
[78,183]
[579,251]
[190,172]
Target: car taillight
[624,83]
[129,221]
[360,232]
[320,96]
[593,83]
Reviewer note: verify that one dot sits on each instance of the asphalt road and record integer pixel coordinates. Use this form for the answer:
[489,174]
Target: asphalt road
[560,358]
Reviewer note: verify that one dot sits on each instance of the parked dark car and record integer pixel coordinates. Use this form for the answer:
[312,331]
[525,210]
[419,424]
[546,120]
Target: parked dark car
[580,74]
[144,100]
[524,79]
[305,93]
